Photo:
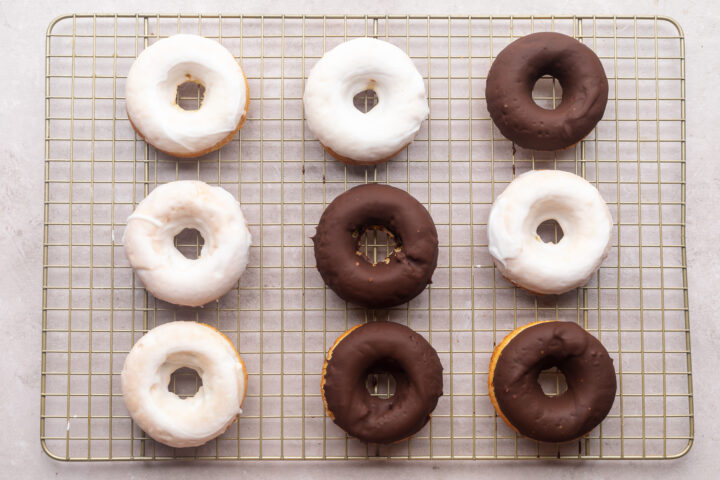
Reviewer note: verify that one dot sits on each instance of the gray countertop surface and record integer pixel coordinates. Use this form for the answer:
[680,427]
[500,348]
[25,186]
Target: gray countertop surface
[22,36]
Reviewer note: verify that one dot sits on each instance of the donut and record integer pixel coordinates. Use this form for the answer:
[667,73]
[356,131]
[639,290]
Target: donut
[353,276]
[354,137]
[381,347]
[520,401]
[162,269]
[163,415]
[520,254]
[151,92]
[513,75]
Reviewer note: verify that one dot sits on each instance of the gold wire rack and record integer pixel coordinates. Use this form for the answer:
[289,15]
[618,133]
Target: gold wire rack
[281,317]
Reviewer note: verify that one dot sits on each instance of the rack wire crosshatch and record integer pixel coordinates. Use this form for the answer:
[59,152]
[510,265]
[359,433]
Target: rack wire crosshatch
[281,317]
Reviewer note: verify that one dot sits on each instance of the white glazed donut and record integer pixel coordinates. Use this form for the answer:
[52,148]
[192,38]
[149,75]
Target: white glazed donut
[163,415]
[162,269]
[521,255]
[353,67]
[151,91]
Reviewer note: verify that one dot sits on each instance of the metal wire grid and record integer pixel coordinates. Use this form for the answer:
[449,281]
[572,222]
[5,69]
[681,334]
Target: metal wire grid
[281,317]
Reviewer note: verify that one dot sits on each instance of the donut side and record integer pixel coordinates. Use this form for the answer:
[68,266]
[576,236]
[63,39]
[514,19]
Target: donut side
[325,365]
[242,363]
[242,394]
[493,364]
[351,162]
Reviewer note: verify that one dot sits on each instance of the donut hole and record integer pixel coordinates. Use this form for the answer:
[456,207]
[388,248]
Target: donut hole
[190,95]
[185,382]
[376,244]
[552,381]
[381,385]
[365,100]
[550,231]
[547,92]
[189,242]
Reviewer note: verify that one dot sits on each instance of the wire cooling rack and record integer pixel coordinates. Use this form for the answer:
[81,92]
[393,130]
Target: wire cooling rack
[281,317]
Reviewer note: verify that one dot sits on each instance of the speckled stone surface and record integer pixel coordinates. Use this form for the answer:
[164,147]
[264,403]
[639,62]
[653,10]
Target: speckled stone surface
[22,34]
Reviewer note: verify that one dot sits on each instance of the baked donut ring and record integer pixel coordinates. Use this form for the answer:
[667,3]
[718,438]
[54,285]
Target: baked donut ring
[520,401]
[513,75]
[162,269]
[381,347]
[348,134]
[151,91]
[349,273]
[163,415]
[520,254]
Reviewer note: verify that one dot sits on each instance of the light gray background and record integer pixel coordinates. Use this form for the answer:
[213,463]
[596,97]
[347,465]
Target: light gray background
[22,49]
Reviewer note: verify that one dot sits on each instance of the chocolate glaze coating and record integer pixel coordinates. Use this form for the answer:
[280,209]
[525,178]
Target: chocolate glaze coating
[352,276]
[513,75]
[382,347]
[589,374]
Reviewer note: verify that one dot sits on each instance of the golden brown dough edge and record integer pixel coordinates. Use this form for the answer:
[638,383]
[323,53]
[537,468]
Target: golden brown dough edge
[325,364]
[350,161]
[237,354]
[493,363]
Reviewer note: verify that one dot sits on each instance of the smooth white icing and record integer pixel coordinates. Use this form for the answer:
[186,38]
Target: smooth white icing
[538,196]
[163,415]
[162,269]
[151,90]
[350,68]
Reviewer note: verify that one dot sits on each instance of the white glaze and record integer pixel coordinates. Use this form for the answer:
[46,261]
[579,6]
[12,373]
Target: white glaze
[163,415]
[151,90]
[350,68]
[162,269]
[521,255]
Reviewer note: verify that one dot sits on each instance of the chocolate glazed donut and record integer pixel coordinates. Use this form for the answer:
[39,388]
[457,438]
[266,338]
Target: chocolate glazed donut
[521,402]
[381,347]
[513,75]
[350,274]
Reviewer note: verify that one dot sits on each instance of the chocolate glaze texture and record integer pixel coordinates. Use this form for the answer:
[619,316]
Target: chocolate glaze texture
[382,347]
[589,374]
[398,279]
[513,75]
